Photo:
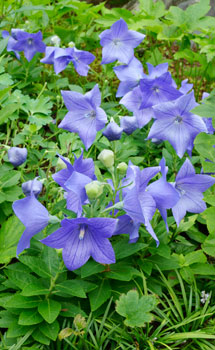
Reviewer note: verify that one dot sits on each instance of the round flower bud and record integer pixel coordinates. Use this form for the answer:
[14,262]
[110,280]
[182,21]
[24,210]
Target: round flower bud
[55,40]
[122,168]
[94,189]
[30,186]
[71,44]
[107,158]
[17,156]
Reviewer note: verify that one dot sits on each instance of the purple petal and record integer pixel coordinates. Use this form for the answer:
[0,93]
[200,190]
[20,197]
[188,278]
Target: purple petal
[129,124]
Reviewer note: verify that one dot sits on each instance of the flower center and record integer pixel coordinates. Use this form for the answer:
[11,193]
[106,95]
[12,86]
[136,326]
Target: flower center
[156,89]
[116,42]
[30,41]
[82,232]
[180,190]
[178,119]
[91,114]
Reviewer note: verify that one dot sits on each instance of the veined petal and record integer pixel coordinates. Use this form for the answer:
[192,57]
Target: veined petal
[76,102]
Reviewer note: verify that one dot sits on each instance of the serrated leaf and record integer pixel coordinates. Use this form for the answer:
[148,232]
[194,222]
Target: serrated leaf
[7,111]
[29,317]
[50,330]
[70,287]
[37,265]
[49,309]
[135,309]
[100,295]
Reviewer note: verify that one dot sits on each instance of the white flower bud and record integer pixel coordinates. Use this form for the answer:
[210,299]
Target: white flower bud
[106,157]
[122,168]
[94,189]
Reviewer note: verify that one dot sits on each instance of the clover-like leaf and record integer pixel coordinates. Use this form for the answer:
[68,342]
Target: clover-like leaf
[135,309]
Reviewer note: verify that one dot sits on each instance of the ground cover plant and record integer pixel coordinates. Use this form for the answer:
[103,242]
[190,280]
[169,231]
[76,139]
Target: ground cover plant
[106,176]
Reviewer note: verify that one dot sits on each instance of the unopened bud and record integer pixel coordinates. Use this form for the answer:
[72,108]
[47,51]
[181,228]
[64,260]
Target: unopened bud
[17,156]
[122,168]
[107,158]
[79,322]
[71,44]
[94,189]
[61,164]
[32,186]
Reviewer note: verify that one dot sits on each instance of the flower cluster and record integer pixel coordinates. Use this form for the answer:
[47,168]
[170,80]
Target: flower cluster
[135,198]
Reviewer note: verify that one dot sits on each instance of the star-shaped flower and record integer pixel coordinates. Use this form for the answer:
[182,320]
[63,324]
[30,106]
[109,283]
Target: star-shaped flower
[85,116]
[118,43]
[30,43]
[82,238]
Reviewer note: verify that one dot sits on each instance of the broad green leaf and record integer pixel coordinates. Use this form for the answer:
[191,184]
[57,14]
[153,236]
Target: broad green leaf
[21,302]
[71,310]
[121,271]
[51,259]
[164,264]
[136,310]
[6,318]
[91,268]
[203,269]
[123,249]
[50,330]
[49,309]
[7,111]
[40,337]
[195,257]
[37,265]
[10,234]
[29,317]
[209,245]
[70,287]
[209,215]
[100,295]
[21,279]
[204,145]
[10,179]
[15,330]
[35,288]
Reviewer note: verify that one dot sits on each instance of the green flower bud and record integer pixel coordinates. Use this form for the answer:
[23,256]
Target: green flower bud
[94,189]
[122,168]
[107,158]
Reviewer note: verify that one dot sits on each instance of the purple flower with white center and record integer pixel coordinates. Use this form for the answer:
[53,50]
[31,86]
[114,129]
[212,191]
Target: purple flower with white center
[129,124]
[113,131]
[34,217]
[158,90]
[176,124]
[12,40]
[85,116]
[190,187]
[163,193]
[126,225]
[30,43]
[32,186]
[80,59]
[17,156]
[73,180]
[118,43]
[82,238]
[137,202]
[185,87]
[129,75]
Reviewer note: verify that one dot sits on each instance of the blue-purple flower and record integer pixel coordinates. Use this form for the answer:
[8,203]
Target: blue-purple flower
[190,187]
[113,131]
[82,238]
[128,124]
[30,43]
[85,116]
[32,186]
[17,156]
[12,39]
[176,124]
[118,43]
[125,225]
[34,217]
[129,75]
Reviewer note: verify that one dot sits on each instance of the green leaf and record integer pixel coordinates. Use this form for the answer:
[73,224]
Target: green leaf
[49,309]
[3,44]
[100,295]
[209,245]
[29,317]
[121,271]
[209,215]
[70,287]
[7,111]
[20,302]
[195,257]
[187,274]
[10,234]
[40,337]
[37,265]
[164,264]
[203,269]
[15,330]
[204,145]
[123,249]
[10,178]
[35,288]
[50,330]
[135,309]
[21,279]
[51,259]
[91,268]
